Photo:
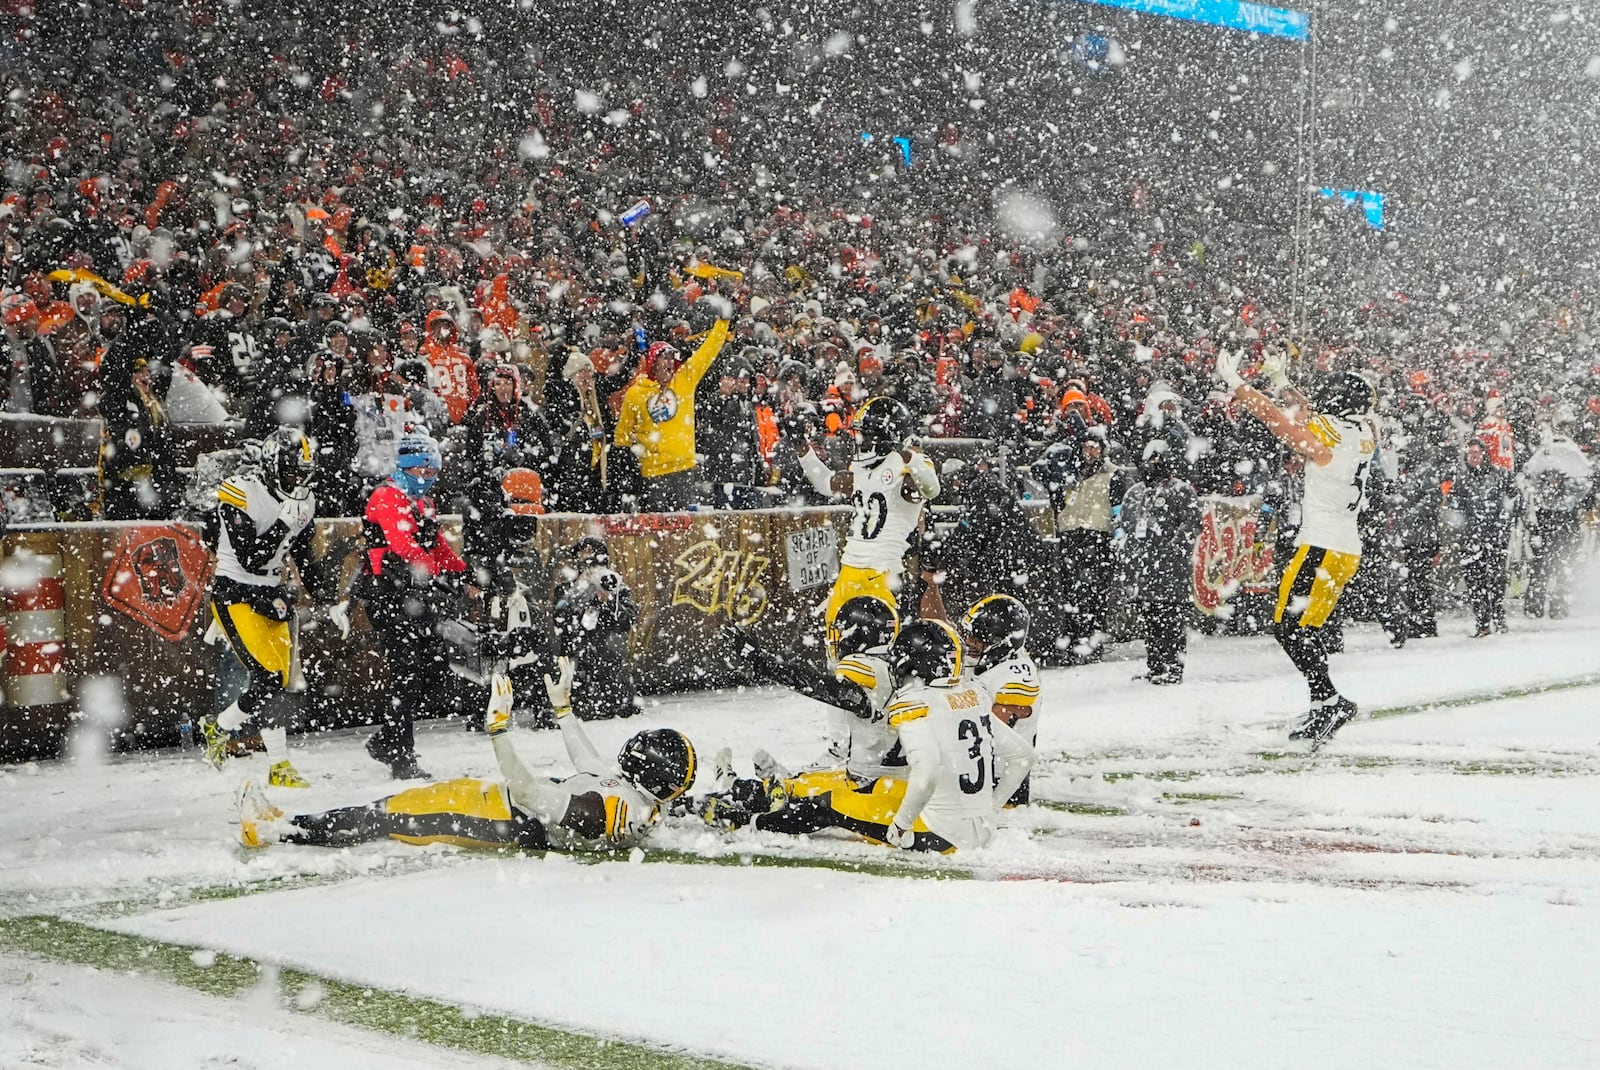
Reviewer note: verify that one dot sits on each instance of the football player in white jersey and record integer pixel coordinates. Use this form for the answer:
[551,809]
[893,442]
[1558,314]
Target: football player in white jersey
[995,630]
[859,685]
[601,807]
[888,484]
[965,763]
[959,764]
[1339,443]
[263,519]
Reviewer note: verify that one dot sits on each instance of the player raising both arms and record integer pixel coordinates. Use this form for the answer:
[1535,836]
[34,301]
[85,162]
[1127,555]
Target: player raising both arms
[600,807]
[888,483]
[1338,442]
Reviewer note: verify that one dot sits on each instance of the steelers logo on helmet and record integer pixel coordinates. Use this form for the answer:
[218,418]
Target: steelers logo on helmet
[1344,394]
[881,426]
[926,650]
[287,461]
[659,762]
[995,628]
[863,623]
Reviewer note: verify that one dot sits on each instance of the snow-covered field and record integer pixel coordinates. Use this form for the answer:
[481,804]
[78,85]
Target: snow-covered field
[1190,890]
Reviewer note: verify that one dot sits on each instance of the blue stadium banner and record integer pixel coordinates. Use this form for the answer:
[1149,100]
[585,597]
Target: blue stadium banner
[1229,14]
[1371,203]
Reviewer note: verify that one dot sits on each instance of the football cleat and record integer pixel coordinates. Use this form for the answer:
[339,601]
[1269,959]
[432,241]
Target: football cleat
[214,738]
[284,775]
[257,815]
[722,773]
[720,811]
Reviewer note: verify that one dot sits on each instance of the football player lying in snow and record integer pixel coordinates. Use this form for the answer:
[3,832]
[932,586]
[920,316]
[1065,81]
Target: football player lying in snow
[961,763]
[601,807]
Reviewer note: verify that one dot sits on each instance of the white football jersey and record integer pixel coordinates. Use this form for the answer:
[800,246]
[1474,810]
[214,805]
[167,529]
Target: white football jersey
[1015,682]
[870,749]
[958,716]
[881,517]
[248,493]
[1334,491]
[629,813]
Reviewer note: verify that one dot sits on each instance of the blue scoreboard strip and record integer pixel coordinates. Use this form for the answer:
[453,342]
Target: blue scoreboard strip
[1230,14]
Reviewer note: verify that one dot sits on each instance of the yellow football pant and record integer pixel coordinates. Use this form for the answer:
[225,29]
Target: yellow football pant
[854,582]
[1311,585]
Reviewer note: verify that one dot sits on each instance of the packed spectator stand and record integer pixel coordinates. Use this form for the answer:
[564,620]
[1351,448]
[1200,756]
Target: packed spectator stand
[217,219]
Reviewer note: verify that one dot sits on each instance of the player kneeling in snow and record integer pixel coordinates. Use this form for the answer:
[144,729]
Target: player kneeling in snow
[961,763]
[601,807]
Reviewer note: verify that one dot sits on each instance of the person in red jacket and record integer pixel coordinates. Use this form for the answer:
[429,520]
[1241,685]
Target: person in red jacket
[409,568]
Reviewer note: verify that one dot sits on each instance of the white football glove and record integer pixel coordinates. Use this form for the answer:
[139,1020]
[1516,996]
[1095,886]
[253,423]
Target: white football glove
[900,836]
[497,718]
[560,689]
[1275,363]
[1228,369]
[297,512]
[339,613]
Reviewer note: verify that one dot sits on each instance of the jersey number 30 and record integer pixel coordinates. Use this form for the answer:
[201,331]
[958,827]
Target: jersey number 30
[871,513]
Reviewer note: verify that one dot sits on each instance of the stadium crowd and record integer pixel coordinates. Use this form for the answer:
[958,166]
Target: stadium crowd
[369,236]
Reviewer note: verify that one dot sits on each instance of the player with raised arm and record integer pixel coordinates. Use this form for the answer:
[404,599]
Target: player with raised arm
[860,684]
[603,806]
[1338,442]
[995,630]
[888,483]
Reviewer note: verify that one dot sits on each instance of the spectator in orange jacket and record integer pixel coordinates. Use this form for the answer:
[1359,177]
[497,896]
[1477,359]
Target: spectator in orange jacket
[457,376]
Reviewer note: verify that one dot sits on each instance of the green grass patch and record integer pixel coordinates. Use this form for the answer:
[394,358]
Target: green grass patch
[430,1021]
[1198,796]
[1479,699]
[1088,809]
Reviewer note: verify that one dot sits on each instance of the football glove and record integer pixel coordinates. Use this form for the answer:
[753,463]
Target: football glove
[497,718]
[559,689]
[1275,363]
[1228,369]
[900,836]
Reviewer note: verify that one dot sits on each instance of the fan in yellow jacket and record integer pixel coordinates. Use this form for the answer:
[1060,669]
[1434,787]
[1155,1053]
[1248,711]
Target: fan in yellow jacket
[657,420]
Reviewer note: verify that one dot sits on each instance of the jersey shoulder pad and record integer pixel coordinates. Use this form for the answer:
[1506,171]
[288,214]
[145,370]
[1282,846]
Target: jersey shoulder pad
[1325,431]
[858,670]
[616,817]
[907,710]
[234,492]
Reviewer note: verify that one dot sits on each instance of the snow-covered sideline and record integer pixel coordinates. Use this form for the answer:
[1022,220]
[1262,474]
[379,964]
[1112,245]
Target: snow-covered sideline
[1423,892]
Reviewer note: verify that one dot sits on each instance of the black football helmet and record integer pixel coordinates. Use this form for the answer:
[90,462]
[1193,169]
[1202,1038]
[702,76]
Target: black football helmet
[881,426]
[659,762]
[925,650]
[287,461]
[1344,394]
[862,623]
[996,627]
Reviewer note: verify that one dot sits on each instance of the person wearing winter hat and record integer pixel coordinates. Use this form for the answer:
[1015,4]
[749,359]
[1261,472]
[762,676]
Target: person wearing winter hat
[657,420]
[407,556]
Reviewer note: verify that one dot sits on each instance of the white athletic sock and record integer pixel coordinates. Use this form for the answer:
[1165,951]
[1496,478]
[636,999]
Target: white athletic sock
[231,719]
[276,741]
